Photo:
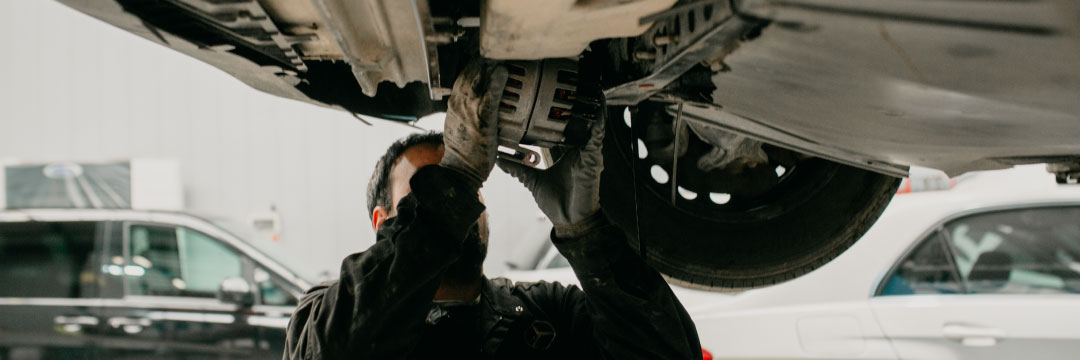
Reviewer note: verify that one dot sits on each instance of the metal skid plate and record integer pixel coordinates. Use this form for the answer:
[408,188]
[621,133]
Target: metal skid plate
[532,29]
[232,25]
[383,40]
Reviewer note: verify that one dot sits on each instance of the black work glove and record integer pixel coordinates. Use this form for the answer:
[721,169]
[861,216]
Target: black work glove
[469,133]
[569,192]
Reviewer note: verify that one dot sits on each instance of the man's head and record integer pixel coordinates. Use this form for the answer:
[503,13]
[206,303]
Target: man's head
[390,182]
[385,190]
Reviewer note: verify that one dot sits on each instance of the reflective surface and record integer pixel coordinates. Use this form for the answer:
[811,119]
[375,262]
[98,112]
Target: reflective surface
[117,289]
[950,85]
[1028,251]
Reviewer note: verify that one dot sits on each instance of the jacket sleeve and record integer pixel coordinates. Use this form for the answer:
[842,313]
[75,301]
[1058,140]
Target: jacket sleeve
[377,308]
[632,311]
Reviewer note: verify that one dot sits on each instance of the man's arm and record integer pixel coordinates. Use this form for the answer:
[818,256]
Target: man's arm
[377,308]
[626,310]
[632,310]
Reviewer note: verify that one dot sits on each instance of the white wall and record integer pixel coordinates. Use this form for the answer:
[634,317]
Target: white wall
[75,88]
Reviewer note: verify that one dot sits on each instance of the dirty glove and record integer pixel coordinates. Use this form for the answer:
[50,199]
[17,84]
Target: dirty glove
[568,192]
[469,133]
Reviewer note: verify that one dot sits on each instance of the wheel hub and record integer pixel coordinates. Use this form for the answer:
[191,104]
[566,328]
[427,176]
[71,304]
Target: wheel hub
[710,170]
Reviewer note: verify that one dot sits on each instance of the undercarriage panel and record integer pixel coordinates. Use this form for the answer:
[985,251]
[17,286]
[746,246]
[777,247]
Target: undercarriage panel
[951,85]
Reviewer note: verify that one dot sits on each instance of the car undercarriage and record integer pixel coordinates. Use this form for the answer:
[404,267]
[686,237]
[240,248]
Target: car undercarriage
[749,141]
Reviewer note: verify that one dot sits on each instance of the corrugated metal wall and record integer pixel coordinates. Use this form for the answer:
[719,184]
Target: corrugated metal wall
[74,88]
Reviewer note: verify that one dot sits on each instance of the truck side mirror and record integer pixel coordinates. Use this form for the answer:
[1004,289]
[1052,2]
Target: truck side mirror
[235,290]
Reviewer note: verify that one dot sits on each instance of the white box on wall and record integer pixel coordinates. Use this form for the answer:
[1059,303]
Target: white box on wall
[141,183]
[156,184]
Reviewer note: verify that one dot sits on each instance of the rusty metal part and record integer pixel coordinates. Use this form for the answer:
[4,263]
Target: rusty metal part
[532,30]
[384,40]
[729,149]
[1065,172]
[301,18]
[680,39]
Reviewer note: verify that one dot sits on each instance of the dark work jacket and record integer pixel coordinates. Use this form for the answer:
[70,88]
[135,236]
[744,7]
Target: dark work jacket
[381,307]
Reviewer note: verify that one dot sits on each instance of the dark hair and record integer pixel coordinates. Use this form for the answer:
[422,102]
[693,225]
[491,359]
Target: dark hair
[378,190]
[470,265]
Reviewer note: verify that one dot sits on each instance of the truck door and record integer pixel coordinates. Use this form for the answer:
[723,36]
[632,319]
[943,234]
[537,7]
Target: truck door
[169,308]
[50,275]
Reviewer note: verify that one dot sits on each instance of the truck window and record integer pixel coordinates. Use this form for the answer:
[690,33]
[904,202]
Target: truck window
[48,259]
[177,261]
[272,289]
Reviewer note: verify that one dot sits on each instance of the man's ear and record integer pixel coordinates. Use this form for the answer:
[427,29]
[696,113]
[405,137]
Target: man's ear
[379,215]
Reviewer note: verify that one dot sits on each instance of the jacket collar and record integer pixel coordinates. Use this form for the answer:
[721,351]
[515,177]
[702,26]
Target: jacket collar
[498,297]
[501,309]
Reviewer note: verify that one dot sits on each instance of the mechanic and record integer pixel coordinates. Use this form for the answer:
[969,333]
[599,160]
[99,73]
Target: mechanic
[419,292]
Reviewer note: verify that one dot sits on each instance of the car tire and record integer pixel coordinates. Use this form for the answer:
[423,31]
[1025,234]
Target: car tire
[824,210]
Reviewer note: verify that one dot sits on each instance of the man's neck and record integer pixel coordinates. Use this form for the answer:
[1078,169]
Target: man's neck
[456,292]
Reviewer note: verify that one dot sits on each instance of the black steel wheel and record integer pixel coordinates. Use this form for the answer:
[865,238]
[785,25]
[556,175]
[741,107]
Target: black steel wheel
[758,220]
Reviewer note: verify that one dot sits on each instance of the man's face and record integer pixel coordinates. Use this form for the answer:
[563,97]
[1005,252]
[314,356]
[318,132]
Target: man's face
[411,160]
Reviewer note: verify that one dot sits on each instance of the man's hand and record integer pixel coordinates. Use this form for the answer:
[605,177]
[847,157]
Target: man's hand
[469,134]
[569,192]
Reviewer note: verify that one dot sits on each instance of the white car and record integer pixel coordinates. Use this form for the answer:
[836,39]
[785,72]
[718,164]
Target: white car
[987,270]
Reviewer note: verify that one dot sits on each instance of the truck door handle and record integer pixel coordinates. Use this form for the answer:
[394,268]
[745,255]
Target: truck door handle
[972,335]
[74,324]
[129,325]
